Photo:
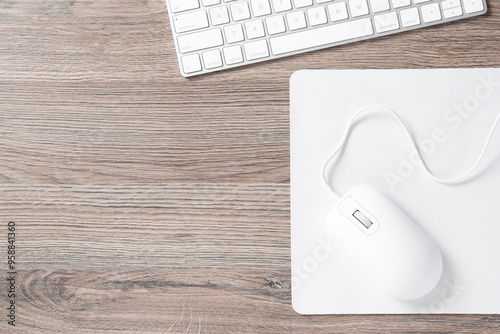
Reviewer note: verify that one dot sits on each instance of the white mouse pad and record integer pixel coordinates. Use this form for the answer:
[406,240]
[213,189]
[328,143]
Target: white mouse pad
[449,112]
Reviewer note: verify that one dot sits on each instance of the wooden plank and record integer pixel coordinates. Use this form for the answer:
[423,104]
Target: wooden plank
[198,301]
[150,225]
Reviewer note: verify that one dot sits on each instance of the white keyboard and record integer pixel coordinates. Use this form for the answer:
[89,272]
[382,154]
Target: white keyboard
[213,35]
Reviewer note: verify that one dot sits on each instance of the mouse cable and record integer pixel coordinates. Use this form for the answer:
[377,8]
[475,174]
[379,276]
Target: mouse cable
[453,180]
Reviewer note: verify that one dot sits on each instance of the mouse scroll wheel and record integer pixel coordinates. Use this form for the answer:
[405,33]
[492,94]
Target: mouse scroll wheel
[362,219]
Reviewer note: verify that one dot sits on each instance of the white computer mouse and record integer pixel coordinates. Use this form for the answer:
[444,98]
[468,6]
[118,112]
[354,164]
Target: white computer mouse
[379,237]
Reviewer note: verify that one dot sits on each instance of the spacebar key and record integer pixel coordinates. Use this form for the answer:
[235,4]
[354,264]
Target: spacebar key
[321,36]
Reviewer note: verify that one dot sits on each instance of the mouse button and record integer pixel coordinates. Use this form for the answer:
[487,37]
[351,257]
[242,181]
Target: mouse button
[358,215]
[342,231]
[336,227]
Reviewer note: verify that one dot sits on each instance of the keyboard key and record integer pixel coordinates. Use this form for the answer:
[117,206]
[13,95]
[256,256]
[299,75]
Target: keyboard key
[275,25]
[233,55]
[261,7]
[447,4]
[452,12]
[255,29]
[240,11]
[400,3]
[256,50]
[379,5]
[183,5]
[321,36]
[219,15]
[212,59]
[430,13]
[420,1]
[200,40]
[409,17]
[317,16]
[358,7]
[210,2]
[338,11]
[473,6]
[302,3]
[386,22]
[282,5]
[191,63]
[191,21]
[296,20]
[234,33]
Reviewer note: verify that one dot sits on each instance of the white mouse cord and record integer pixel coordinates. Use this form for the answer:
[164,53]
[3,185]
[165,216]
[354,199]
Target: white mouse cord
[453,180]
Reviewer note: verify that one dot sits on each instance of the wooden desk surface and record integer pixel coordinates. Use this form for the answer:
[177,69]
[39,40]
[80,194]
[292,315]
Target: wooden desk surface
[149,203]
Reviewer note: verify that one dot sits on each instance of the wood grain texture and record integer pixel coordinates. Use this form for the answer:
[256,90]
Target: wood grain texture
[151,203]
